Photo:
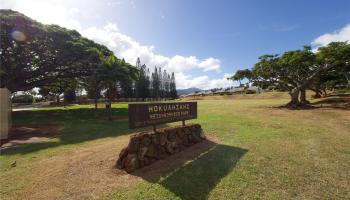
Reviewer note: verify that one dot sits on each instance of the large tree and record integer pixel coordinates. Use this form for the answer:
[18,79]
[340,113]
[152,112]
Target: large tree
[337,56]
[298,70]
[293,71]
[35,55]
[114,73]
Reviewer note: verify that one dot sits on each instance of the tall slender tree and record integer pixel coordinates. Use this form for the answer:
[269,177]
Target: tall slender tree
[155,83]
[161,83]
[142,83]
[166,82]
[173,92]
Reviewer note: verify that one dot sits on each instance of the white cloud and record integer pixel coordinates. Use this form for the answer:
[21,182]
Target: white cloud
[122,45]
[46,12]
[210,64]
[111,27]
[203,82]
[129,49]
[337,36]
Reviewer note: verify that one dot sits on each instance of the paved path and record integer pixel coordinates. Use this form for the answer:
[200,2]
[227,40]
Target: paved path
[21,109]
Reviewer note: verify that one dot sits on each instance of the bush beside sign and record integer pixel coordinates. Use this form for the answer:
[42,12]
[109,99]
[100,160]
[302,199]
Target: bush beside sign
[142,114]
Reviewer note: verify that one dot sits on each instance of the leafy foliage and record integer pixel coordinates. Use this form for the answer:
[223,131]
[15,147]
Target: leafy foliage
[157,85]
[298,70]
[35,55]
[242,74]
[58,60]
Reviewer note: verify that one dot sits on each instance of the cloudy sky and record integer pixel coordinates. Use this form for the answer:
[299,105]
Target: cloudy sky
[202,41]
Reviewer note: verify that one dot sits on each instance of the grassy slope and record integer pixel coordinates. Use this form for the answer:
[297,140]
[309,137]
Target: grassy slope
[265,153]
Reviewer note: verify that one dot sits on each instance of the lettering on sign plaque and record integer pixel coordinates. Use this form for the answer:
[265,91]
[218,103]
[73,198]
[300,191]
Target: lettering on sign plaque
[149,114]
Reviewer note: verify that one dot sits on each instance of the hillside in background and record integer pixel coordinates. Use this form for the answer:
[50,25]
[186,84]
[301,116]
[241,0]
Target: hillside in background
[188,91]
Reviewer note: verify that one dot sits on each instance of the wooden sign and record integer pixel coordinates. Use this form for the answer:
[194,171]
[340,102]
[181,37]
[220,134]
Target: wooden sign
[150,114]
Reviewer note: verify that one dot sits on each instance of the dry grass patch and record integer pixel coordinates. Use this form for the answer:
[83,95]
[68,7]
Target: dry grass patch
[30,133]
[90,173]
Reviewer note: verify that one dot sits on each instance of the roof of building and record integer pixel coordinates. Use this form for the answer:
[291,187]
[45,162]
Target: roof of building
[253,88]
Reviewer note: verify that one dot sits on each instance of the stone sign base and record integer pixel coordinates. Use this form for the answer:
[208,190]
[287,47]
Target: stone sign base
[147,147]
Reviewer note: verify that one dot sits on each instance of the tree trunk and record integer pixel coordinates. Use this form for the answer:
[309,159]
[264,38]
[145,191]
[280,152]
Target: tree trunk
[294,98]
[324,92]
[303,100]
[95,100]
[58,99]
[348,79]
[317,92]
[110,97]
[109,109]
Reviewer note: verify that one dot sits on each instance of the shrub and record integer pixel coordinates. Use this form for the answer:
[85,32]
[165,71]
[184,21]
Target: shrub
[24,98]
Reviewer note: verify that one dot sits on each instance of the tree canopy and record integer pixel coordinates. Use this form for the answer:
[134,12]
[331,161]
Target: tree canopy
[35,55]
[241,74]
[57,60]
[298,70]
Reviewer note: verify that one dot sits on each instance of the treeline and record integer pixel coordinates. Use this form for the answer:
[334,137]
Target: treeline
[158,84]
[143,86]
[299,70]
[60,62]
[146,85]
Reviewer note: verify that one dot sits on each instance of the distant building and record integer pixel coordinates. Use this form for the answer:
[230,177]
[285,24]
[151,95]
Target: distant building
[253,89]
[208,93]
[221,92]
[236,90]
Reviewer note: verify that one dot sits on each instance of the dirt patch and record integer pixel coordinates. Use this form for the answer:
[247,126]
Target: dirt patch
[25,134]
[90,173]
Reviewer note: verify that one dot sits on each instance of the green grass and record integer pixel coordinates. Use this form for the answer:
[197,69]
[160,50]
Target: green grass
[265,152]
[82,124]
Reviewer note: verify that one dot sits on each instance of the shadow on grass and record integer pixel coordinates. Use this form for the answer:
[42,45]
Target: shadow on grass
[196,179]
[80,125]
[335,102]
[339,103]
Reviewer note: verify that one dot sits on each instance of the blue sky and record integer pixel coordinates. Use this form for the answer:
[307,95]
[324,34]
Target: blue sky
[203,41]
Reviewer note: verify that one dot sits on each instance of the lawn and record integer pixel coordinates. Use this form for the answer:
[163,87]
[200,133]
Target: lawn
[263,152]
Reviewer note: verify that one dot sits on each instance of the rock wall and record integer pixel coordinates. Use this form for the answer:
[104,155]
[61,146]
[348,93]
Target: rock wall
[146,148]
